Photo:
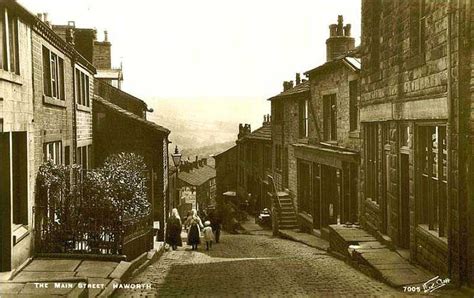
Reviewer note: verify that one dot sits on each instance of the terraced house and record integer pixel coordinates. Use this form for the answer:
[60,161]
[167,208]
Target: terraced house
[417,127]
[254,160]
[316,139]
[45,114]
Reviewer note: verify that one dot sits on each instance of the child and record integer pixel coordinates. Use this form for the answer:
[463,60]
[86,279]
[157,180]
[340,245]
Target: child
[208,234]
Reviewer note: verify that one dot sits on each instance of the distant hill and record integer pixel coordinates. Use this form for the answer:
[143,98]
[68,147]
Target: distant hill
[204,127]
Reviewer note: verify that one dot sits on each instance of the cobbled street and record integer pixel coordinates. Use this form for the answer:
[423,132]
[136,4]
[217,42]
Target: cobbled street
[249,265]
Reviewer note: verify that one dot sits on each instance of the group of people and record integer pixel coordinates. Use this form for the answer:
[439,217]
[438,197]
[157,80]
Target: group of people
[210,230]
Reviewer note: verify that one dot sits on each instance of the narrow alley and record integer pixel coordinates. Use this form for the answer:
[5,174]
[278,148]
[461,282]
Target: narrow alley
[253,265]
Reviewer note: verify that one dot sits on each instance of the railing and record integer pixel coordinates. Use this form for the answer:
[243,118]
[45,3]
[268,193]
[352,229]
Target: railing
[68,222]
[276,208]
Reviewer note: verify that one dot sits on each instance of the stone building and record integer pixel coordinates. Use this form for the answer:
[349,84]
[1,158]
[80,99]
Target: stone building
[196,186]
[254,161]
[45,114]
[290,122]
[226,171]
[417,126]
[120,123]
[316,137]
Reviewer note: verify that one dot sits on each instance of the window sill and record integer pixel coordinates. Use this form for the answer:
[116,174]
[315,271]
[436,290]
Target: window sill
[329,143]
[82,108]
[303,141]
[54,102]
[20,232]
[10,77]
[355,134]
[440,242]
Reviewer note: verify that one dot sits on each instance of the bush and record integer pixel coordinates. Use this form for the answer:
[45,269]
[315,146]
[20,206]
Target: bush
[119,187]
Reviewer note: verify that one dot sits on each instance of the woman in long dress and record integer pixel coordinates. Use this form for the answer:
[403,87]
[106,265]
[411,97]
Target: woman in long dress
[195,224]
[173,230]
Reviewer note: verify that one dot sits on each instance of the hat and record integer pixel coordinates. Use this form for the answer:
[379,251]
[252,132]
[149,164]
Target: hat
[207,223]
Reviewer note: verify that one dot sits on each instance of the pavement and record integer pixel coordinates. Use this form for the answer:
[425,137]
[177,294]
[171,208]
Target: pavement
[73,277]
[60,277]
[305,238]
[250,227]
[246,265]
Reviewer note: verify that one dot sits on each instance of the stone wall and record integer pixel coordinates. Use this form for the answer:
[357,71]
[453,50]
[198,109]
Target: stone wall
[400,78]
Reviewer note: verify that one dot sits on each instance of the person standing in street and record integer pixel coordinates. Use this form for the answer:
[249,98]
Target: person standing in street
[208,234]
[216,222]
[173,230]
[195,224]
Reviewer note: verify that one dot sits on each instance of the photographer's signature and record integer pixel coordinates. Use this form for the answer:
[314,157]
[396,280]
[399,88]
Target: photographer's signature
[434,284]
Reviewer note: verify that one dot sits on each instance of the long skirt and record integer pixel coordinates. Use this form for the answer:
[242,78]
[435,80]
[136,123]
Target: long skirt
[193,235]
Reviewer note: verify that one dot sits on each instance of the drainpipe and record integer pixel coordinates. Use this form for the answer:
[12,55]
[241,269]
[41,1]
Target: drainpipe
[72,154]
[448,135]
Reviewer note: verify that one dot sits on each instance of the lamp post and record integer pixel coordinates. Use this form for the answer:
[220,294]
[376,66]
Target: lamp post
[176,156]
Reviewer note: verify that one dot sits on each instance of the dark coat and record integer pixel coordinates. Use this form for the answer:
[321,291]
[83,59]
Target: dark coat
[173,231]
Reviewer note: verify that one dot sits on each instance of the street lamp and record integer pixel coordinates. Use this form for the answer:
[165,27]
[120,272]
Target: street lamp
[176,157]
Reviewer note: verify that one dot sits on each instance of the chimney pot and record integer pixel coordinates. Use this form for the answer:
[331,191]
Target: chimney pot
[106,36]
[347,30]
[333,30]
[340,23]
[290,84]
[298,78]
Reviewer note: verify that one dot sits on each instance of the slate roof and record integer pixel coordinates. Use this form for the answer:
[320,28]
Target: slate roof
[223,152]
[350,62]
[263,133]
[199,176]
[115,108]
[298,89]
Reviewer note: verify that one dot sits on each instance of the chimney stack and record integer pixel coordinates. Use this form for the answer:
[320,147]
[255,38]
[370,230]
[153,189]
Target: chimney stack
[340,41]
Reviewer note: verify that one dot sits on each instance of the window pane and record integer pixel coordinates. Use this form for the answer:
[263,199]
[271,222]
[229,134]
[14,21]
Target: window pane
[46,72]
[13,38]
[87,91]
[3,54]
[54,73]
[61,79]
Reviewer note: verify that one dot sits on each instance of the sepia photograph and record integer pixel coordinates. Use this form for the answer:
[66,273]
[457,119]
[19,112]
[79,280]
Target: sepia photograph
[224,148]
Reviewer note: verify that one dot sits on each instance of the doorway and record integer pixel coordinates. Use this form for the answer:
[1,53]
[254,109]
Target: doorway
[404,231]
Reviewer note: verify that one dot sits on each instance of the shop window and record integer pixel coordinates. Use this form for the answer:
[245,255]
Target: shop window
[303,118]
[53,151]
[305,202]
[9,58]
[329,117]
[433,174]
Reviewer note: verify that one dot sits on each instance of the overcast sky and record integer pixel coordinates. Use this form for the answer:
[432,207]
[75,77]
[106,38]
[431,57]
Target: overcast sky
[208,48]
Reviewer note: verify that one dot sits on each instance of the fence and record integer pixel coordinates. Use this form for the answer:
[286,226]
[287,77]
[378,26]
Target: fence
[69,222]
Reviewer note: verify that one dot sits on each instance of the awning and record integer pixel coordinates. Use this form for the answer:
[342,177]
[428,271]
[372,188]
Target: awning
[326,155]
